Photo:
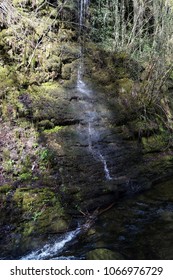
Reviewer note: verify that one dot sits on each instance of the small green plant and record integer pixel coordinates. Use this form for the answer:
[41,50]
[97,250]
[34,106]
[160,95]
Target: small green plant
[37,215]
[44,155]
[35,145]
[53,130]
[25,176]
[8,165]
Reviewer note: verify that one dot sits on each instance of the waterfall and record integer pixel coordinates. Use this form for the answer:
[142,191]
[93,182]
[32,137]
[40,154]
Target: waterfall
[89,136]
[54,249]
[96,153]
[106,170]
[91,115]
[83,7]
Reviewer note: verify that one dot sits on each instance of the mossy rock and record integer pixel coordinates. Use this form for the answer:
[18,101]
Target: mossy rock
[25,3]
[103,254]
[53,130]
[125,85]
[45,100]
[69,53]
[66,72]
[65,35]
[50,101]
[53,63]
[45,124]
[5,189]
[155,143]
[6,81]
[141,128]
[101,76]
[41,211]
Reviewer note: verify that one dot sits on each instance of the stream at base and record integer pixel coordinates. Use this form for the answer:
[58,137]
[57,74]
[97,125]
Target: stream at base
[137,228]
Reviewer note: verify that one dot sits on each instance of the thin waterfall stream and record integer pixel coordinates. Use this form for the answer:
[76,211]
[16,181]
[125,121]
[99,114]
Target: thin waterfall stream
[86,91]
[92,115]
[77,180]
[91,161]
[55,249]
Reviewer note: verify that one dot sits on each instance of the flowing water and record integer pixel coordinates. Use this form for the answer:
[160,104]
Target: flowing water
[56,248]
[91,119]
[83,8]
[138,227]
[53,249]
[92,115]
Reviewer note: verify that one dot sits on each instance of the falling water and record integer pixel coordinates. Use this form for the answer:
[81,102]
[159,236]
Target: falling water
[81,85]
[55,249]
[83,88]
[97,154]
[89,137]
[106,170]
[52,250]
[83,7]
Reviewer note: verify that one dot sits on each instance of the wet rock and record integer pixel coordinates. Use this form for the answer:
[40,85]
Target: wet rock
[103,254]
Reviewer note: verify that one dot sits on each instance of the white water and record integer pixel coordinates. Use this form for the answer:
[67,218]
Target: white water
[82,12]
[97,154]
[50,251]
[84,89]
[81,85]
[106,170]
[54,250]
[89,137]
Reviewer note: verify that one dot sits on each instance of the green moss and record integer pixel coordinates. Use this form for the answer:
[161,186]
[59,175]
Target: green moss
[47,100]
[121,72]
[8,165]
[125,85]
[5,189]
[69,53]
[103,254]
[154,143]
[29,229]
[102,76]
[6,81]
[25,176]
[53,64]
[45,124]
[41,211]
[53,130]
[121,55]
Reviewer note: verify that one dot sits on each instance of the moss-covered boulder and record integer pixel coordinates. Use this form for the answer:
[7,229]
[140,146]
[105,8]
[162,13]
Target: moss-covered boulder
[103,254]
[41,211]
[154,143]
[66,72]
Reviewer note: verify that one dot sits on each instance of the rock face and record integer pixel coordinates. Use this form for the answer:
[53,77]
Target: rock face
[67,142]
[97,160]
[69,134]
[91,155]
[103,254]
